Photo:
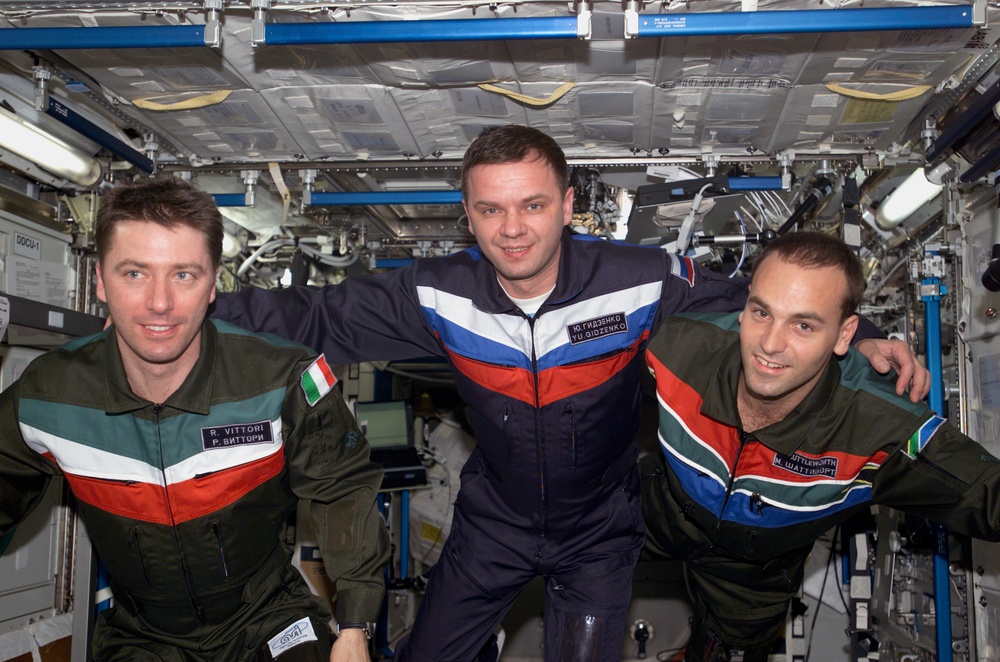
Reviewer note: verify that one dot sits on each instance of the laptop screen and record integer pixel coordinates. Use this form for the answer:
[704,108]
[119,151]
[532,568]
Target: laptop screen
[386,424]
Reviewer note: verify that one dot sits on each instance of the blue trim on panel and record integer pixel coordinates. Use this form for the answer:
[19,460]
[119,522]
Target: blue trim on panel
[387,198]
[805,20]
[230,199]
[146,36]
[470,29]
[755,183]
[109,141]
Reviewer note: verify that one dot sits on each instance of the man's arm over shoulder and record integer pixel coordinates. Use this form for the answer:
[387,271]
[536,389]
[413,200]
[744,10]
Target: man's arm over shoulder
[329,466]
[370,317]
[690,287]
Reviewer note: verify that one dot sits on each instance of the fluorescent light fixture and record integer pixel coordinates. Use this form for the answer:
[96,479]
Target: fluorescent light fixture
[911,195]
[48,152]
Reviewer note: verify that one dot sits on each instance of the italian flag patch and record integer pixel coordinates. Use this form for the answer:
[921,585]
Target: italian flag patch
[317,380]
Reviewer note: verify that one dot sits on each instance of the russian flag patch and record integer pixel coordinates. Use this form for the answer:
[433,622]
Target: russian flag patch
[923,435]
[682,267]
[317,380]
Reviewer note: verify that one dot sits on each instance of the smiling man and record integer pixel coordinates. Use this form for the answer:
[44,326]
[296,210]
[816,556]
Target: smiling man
[769,440]
[544,331]
[187,444]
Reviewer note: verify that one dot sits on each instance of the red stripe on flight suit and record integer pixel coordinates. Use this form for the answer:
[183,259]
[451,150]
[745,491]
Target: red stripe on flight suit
[561,382]
[554,384]
[135,500]
[686,402]
[512,382]
[190,499]
[196,497]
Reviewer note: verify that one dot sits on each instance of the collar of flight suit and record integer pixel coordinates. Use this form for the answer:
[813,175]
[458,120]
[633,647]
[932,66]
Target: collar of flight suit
[490,296]
[785,436]
[194,394]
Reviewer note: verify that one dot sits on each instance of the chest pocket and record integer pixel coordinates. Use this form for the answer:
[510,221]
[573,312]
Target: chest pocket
[568,439]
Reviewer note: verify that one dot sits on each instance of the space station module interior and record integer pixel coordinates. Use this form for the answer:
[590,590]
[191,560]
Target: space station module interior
[331,135]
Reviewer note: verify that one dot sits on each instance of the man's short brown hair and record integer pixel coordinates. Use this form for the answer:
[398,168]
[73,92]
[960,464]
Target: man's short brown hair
[513,143]
[165,201]
[815,249]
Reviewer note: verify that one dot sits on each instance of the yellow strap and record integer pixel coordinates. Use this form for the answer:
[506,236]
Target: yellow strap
[279,182]
[531,101]
[901,95]
[194,102]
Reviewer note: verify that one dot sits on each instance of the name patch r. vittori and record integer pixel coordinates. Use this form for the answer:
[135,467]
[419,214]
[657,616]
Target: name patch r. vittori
[236,434]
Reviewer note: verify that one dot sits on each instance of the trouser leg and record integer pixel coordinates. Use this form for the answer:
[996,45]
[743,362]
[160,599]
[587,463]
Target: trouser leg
[706,646]
[286,614]
[586,622]
[462,606]
[740,606]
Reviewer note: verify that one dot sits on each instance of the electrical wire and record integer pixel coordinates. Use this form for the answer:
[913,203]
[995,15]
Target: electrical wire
[267,247]
[330,260]
[687,225]
[743,254]
[885,279]
[788,210]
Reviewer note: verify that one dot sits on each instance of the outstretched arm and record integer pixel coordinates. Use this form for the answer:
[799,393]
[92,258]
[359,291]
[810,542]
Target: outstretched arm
[364,318]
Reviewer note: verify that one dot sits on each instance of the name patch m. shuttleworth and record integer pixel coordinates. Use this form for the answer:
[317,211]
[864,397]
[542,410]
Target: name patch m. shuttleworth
[807,466]
[236,434]
[592,329]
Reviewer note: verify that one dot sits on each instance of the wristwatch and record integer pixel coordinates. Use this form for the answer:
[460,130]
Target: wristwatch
[367,628]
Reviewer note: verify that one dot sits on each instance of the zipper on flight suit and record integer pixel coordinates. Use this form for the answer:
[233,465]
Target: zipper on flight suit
[199,611]
[538,428]
[217,528]
[572,435]
[133,539]
[506,430]
[744,438]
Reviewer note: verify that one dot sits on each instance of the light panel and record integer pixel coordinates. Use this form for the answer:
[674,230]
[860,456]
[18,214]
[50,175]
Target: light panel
[48,152]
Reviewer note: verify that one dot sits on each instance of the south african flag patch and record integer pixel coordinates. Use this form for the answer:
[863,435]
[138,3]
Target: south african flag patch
[923,435]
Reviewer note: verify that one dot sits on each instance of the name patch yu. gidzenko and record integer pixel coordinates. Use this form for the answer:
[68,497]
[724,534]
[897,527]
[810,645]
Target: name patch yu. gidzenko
[807,466]
[606,325]
[236,434]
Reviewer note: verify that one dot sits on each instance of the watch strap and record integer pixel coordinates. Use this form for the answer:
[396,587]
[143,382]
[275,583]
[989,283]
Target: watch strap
[367,628]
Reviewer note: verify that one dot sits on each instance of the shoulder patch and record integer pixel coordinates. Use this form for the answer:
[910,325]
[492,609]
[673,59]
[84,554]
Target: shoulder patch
[317,380]
[920,438]
[682,267]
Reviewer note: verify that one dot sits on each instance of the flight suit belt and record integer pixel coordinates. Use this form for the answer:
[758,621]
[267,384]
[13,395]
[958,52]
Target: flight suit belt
[180,613]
